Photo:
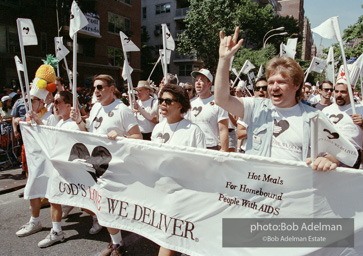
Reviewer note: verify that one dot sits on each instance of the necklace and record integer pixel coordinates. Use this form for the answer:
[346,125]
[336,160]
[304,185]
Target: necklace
[167,139]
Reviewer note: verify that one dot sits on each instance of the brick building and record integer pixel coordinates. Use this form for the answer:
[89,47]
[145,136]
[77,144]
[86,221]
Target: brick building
[99,51]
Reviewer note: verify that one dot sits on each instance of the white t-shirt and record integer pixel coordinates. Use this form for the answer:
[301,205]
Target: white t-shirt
[115,116]
[288,132]
[183,133]
[49,119]
[67,125]
[206,114]
[341,120]
[151,106]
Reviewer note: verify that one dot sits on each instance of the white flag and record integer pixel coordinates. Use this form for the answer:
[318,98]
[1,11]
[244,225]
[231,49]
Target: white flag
[292,43]
[60,50]
[260,72]
[329,29]
[247,66]
[286,51]
[355,70]
[127,44]
[317,64]
[124,74]
[170,44]
[330,141]
[230,64]
[19,65]
[77,20]
[28,32]
[168,55]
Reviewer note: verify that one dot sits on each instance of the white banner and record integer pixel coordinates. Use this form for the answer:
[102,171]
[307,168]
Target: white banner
[93,26]
[286,51]
[178,196]
[127,44]
[170,44]
[19,65]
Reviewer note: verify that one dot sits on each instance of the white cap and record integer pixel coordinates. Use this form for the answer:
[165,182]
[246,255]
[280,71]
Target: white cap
[204,72]
[5,98]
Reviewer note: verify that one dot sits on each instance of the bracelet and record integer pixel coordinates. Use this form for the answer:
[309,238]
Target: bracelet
[80,122]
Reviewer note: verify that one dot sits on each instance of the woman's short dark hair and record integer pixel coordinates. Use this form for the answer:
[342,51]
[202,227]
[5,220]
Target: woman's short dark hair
[180,95]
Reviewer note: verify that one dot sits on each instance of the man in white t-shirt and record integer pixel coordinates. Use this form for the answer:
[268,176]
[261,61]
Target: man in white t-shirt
[278,126]
[341,115]
[212,119]
[325,94]
[145,109]
[109,116]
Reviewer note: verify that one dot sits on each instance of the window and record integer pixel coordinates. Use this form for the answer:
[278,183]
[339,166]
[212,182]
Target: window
[124,1]
[43,41]
[117,23]
[144,12]
[9,42]
[115,56]
[162,8]
[185,69]
[158,29]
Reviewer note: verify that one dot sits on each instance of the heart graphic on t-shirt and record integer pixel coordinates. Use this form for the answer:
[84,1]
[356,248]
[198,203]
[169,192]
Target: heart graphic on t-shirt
[336,118]
[98,122]
[334,135]
[164,137]
[280,127]
[198,110]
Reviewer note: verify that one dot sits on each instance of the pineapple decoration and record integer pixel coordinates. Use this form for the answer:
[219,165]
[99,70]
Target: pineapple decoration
[46,74]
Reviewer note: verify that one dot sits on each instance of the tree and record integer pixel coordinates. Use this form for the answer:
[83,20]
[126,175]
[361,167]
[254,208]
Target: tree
[207,17]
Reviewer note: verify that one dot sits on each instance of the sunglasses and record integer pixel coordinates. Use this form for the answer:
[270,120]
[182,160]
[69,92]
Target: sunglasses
[264,88]
[188,89]
[167,101]
[99,87]
[328,89]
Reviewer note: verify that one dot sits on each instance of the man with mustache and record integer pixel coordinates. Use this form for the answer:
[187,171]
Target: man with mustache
[348,124]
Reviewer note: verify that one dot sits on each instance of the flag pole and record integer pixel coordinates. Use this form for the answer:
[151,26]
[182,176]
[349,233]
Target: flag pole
[152,71]
[67,70]
[164,49]
[339,38]
[74,86]
[22,51]
[21,82]
[314,138]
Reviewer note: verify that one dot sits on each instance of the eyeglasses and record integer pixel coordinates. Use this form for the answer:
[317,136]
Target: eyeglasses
[264,88]
[167,101]
[188,89]
[99,87]
[328,89]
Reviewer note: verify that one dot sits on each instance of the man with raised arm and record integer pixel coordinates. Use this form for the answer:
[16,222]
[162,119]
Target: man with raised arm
[278,126]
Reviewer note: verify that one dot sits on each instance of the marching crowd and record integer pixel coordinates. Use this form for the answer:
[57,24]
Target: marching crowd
[275,122]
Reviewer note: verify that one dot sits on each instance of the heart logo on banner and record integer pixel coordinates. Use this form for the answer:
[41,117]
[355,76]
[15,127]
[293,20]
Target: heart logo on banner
[163,137]
[99,160]
[197,109]
[280,127]
[26,30]
[334,135]
[336,118]
[98,122]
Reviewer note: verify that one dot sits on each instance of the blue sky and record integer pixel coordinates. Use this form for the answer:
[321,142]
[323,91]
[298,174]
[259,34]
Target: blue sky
[317,11]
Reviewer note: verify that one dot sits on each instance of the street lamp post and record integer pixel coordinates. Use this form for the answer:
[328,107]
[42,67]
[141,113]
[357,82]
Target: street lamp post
[274,29]
[278,34]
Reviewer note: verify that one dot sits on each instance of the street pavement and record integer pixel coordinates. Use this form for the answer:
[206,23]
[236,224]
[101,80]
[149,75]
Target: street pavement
[14,212]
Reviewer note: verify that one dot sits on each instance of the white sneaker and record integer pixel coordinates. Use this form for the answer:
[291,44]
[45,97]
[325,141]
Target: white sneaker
[66,210]
[51,238]
[95,227]
[29,228]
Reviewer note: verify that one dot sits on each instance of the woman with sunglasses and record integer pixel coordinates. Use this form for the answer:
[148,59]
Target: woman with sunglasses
[188,87]
[174,129]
